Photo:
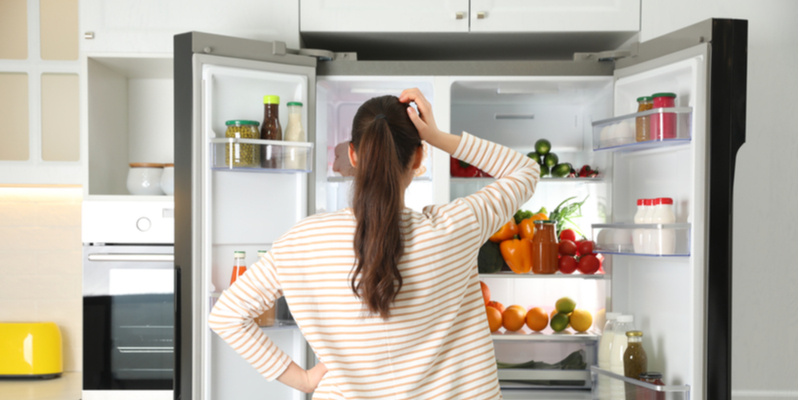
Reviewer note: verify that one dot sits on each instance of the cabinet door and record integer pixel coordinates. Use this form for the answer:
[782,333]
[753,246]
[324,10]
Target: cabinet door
[148,26]
[554,16]
[379,16]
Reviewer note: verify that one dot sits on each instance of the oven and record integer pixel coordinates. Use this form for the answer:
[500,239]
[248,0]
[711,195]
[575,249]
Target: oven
[128,302]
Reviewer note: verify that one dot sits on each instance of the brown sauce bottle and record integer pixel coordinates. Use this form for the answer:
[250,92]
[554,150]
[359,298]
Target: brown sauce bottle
[271,130]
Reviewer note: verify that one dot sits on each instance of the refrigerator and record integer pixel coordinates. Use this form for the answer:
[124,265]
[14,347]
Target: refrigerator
[586,107]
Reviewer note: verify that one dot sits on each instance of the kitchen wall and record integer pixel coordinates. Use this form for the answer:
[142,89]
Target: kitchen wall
[40,261]
[765,191]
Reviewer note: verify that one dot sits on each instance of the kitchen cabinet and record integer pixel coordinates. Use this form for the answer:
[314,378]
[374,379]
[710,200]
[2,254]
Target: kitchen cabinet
[470,16]
[148,26]
[40,135]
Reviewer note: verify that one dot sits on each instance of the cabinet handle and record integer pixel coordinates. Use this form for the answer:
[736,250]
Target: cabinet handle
[459,15]
[481,15]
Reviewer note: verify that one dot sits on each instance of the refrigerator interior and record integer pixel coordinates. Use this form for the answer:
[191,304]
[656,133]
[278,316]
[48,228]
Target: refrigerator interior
[247,210]
[516,112]
[338,99]
[666,294]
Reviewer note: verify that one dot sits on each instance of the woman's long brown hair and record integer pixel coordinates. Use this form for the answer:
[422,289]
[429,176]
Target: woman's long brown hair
[385,140]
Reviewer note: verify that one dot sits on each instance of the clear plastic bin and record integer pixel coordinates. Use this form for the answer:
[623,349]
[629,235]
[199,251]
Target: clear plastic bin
[620,132]
[546,363]
[222,148]
[637,390]
[619,239]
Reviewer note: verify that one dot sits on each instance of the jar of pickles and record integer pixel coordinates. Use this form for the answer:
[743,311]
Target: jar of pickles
[242,154]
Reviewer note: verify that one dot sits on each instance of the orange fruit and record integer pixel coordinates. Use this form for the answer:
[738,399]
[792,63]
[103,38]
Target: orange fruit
[487,296]
[498,305]
[495,318]
[514,317]
[536,319]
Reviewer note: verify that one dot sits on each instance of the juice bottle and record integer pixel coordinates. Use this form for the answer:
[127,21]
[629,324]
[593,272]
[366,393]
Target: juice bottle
[643,123]
[238,265]
[545,248]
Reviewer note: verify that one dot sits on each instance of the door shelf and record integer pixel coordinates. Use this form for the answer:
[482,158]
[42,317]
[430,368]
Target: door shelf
[637,389]
[557,275]
[245,155]
[620,132]
[666,240]
[486,181]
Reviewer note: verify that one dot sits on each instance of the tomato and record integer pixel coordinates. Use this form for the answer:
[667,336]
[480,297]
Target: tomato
[567,248]
[567,234]
[585,247]
[567,265]
[588,264]
[600,258]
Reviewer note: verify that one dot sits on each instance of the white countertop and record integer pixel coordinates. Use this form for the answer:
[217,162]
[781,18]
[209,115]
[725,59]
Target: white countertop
[66,387]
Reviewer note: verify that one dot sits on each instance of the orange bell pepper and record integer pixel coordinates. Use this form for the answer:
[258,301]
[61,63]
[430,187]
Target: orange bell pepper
[506,232]
[540,217]
[526,228]
[518,254]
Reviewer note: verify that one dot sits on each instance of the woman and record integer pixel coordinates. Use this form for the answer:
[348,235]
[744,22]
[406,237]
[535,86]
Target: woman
[388,298]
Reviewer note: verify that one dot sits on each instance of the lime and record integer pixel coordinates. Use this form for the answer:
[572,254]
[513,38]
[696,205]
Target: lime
[561,170]
[544,170]
[551,159]
[542,146]
[559,322]
[565,305]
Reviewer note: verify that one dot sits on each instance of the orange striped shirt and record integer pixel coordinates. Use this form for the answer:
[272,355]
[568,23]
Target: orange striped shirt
[436,343]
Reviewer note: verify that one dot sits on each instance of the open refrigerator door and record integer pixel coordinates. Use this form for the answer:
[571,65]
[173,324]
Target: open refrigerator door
[234,199]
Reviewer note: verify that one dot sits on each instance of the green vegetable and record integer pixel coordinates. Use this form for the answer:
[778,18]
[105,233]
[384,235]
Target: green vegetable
[561,170]
[490,260]
[525,214]
[551,160]
[563,215]
[542,146]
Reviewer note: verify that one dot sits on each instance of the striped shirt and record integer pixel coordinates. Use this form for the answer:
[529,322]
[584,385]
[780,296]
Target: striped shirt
[436,343]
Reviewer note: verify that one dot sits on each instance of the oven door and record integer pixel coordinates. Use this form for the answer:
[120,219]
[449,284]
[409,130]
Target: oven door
[128,319]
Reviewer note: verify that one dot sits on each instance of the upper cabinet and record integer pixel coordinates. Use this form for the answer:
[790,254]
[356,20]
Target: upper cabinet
[469,16]
[379,16]
[554,16]
[148,26]
[40,142]
[468,29]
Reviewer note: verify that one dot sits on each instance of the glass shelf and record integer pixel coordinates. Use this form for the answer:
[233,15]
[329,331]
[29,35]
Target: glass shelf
[546,335]
[245,155]
[486,181]
[512,378]
[620,132]
[657,240]
[557,275]
[339,179]
[637,389]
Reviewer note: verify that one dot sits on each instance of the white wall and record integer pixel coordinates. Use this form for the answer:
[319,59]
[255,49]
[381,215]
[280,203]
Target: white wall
[765,191]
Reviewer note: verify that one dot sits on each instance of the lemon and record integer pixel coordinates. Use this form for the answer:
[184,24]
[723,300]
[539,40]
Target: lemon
[580,320]
[559,322]
[565,305]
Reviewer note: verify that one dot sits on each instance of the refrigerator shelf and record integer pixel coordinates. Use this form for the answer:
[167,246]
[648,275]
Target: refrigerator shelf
[638,389]
[557,275]
[666,240]
[339,179]
[245,155]
[486,181]
[546,335]
[620,132]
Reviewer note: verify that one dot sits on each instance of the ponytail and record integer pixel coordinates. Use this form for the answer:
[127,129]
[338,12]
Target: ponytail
[385,141]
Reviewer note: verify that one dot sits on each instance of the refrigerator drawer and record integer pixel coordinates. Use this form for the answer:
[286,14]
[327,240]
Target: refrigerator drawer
[545,364]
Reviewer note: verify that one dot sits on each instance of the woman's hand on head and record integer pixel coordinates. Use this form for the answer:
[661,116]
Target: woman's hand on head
[424,121]
[425,124]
